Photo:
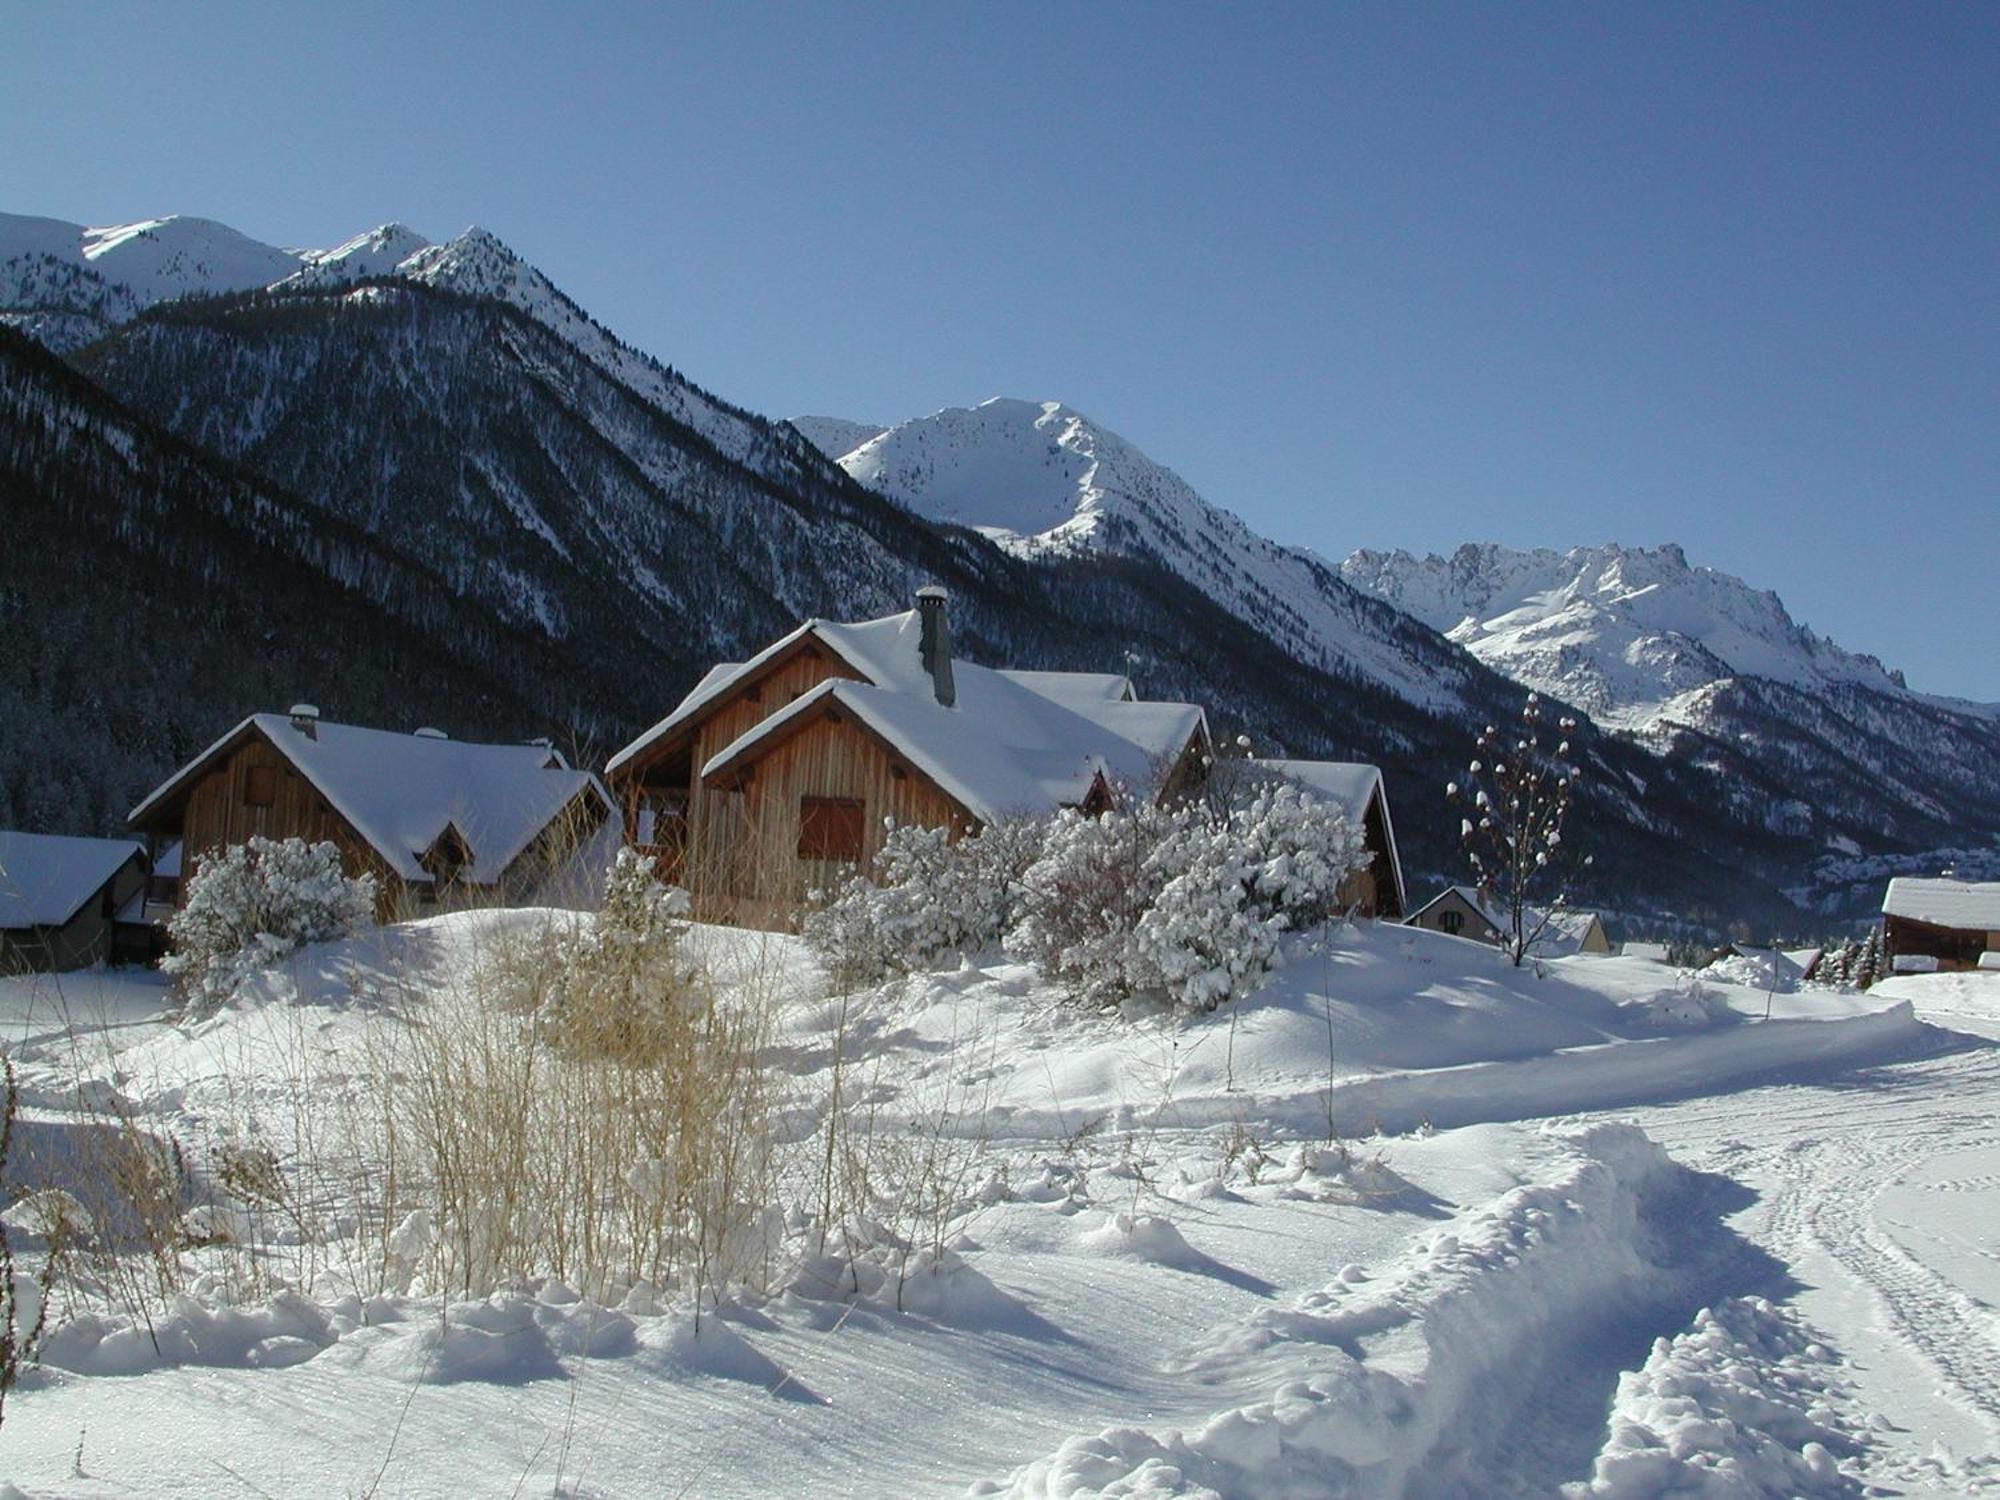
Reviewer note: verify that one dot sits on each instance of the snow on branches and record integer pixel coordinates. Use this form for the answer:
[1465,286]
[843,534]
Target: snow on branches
[250,905]
[1514,798]
[1186,902]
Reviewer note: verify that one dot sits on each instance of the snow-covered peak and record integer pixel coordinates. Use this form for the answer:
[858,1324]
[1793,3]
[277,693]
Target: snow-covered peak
[379,252]
[1630,633]
[1043,479]
[183,257]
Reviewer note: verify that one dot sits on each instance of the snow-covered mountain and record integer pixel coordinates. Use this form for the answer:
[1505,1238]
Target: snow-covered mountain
[68,283]
[1635,635]
[589,503]
[1043,481]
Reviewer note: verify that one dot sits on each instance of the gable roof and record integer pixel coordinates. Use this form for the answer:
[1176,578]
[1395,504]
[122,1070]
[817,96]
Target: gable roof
[1013,742]
[45,878]
[1464,893]
[1965,905]
[1001,749]
[1565,930]
[400,792]
[1352,787]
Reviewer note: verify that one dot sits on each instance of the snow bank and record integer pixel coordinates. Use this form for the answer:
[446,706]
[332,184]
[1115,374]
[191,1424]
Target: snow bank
[1366,1379]
[1743,1404]
[1378,1027]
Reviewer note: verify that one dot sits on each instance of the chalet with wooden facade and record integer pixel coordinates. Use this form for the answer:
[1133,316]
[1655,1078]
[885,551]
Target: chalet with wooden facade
[68,902]
[1461,911]
[1942,924]
[437,821]
[1376,889]
[777,775]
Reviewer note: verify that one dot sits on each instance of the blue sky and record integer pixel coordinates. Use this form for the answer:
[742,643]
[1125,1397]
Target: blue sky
[1367,275]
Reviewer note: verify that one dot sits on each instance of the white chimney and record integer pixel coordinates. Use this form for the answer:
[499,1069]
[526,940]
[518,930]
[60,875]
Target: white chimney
[305,719]
[934,643]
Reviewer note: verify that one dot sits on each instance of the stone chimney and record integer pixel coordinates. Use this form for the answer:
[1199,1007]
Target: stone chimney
[936,641]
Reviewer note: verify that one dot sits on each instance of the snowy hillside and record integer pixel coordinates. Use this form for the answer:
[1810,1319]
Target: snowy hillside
[1631,634]
[1044,480]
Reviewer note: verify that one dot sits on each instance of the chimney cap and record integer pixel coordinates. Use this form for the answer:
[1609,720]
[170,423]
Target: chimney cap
[932,591]
[304,711]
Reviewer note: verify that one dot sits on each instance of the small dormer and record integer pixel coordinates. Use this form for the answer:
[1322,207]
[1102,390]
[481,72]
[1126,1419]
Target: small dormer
[448,857]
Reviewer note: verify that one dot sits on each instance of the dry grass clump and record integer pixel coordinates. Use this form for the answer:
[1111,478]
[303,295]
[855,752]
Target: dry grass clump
[534,1125]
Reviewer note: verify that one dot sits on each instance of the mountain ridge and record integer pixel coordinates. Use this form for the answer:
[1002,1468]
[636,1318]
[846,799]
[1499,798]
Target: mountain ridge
[449,403]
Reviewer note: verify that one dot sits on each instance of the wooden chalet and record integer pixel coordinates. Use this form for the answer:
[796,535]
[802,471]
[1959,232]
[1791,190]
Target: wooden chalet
[66,903]
[1950,923]
[437,821]
[1461,911]
[778,775]
[1375,890]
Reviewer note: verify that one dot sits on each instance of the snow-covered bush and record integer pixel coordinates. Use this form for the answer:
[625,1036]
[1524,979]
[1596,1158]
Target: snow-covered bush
[251,905]
[1189,901]
[1228,888]
[1084,894]
[926,895]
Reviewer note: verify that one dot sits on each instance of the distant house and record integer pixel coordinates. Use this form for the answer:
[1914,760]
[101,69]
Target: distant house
[777,775]
[435,820]
[1651,952]
[1377,889]
[1954,922]
[1462,911]
[68,902]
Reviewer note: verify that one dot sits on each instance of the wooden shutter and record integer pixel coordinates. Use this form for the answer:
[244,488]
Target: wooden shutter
[831,828]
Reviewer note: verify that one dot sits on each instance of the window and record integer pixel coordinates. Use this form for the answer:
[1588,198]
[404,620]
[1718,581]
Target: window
[260,786]
[830,828]
[1452,922]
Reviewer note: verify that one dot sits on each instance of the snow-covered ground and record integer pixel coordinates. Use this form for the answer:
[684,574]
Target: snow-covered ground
[1327,1242]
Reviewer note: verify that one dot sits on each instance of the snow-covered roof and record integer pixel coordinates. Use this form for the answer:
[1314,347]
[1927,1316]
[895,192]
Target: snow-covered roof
[1075,689]
[1348,785]
[1001,748]
[46,878]
[1964,905]
[1351,786]
[1656,952]
[401,791]
[1465,893]
[1564,930]
[1012,742]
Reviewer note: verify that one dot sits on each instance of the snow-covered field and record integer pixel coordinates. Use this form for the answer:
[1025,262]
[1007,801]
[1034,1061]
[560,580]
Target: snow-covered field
[1350,1237]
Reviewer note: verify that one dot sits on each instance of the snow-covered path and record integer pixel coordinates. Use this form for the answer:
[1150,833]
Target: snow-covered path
[1879,1188]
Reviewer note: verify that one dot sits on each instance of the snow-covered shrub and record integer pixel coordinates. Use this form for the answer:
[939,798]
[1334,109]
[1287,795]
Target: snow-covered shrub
[251,905]
[1228,888]
[926,895]
[1084,894]
[1187,901]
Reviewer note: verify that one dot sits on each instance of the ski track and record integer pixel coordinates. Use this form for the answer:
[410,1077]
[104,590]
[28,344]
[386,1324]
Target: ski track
[1820,1155]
